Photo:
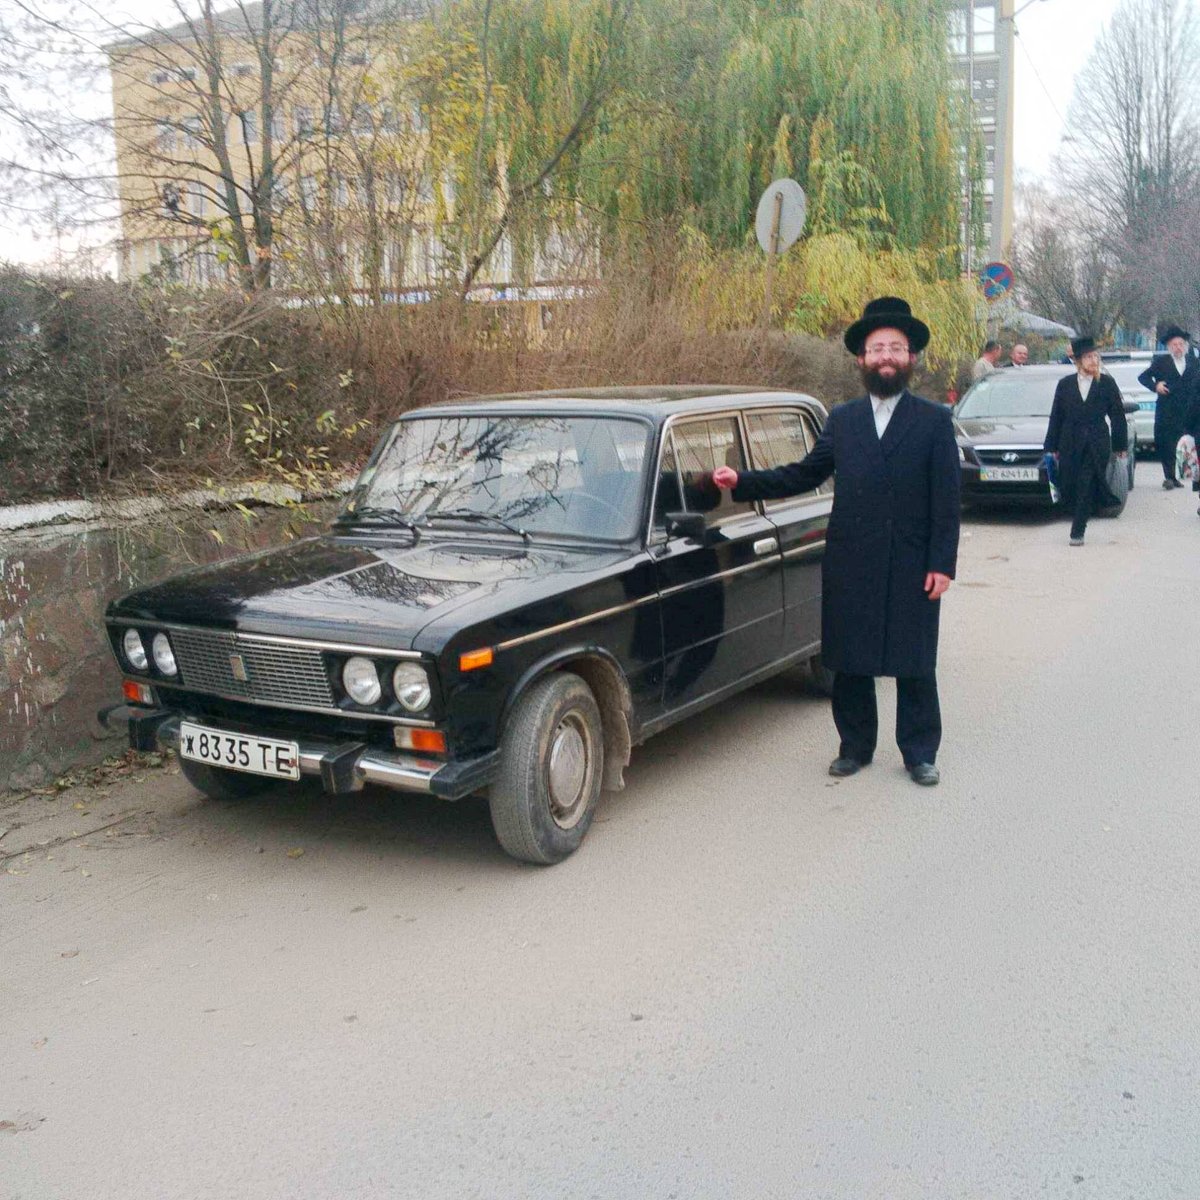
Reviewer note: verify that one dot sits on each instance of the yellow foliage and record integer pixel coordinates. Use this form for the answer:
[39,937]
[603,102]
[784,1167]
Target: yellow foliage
[821,286]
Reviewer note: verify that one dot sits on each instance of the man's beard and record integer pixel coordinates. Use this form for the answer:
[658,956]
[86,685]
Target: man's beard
[885,387]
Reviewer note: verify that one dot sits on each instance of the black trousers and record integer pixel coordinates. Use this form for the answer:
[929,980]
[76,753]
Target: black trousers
[1090,480]
[1166,454]
[918,717]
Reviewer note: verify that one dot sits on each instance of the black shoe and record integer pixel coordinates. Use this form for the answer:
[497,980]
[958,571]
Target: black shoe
[926,774]
[843,766]
[1076,541]
[1168,485]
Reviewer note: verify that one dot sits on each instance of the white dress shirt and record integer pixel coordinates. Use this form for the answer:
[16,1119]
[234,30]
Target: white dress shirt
[883,410]
[1085,384]
[1180,365]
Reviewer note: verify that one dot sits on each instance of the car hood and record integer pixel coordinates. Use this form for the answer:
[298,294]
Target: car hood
[347,589]
[1005,431]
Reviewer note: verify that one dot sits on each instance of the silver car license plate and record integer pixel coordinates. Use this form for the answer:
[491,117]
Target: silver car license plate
[239,752]
[1008,474]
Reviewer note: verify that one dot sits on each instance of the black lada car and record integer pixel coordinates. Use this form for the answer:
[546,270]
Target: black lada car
[518,591]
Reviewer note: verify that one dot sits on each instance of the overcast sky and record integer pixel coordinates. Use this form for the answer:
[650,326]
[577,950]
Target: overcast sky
[1054,38]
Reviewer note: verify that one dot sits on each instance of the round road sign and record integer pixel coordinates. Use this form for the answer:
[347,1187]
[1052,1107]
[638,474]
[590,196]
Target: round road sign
[996,279]
[793,209]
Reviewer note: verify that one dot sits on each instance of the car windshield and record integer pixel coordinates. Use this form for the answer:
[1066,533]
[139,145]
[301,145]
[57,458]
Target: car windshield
[551,475]
[1009,394]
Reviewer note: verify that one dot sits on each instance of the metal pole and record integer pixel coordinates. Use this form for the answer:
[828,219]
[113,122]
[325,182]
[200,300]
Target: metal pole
[773,243]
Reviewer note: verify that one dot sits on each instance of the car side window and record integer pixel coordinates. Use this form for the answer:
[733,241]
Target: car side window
[779,438]
[667,496]
[702,447]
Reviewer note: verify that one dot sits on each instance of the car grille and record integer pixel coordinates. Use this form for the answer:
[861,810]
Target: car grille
[278,673]
[1026,456]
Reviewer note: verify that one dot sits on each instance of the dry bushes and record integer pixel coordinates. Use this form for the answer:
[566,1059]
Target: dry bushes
[116,389]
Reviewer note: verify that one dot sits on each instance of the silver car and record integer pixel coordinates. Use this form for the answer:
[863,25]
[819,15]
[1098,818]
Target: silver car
[1125,369]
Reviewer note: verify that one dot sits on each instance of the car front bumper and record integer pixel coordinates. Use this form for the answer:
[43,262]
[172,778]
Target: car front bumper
[341,766]
[1023,491]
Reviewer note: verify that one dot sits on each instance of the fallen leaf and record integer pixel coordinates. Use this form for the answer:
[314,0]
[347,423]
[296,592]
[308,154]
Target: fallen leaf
[38,1043]
[295,852]
[68,954]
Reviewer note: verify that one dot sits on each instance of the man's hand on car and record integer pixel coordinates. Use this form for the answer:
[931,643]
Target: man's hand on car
[725,477]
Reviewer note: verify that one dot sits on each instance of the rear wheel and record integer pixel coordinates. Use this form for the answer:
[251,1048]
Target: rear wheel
[551,763]
[217,783]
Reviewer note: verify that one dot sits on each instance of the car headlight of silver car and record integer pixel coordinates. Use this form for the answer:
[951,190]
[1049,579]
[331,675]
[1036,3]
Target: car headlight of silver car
[361,680]
[135,652]
[164,656]
[410,682]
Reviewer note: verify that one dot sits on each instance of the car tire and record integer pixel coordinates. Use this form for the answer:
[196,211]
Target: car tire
[217,783]
[551,764]
[1132,469]
[820,676]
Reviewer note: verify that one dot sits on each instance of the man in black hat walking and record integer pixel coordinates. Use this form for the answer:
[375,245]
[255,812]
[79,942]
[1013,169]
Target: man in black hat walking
[892,542]
[1173,376]
[1079,439]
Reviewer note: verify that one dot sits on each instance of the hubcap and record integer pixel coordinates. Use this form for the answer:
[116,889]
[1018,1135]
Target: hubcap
[567,777]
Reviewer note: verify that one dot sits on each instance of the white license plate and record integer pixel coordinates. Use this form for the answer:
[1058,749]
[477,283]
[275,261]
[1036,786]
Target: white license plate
[1008,474]
[238,752]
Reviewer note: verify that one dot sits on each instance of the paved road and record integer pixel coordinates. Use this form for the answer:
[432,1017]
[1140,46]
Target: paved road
[753,981]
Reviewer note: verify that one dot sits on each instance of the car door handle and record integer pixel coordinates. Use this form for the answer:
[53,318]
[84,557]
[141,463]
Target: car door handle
[767,545]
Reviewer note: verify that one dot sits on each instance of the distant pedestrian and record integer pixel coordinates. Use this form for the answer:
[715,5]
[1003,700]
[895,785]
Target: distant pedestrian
[1020,355]
[1174,377]
[892,542]
[985,364]
[1079,437]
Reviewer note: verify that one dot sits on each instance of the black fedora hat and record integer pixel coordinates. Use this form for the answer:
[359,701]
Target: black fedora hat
[1081,345]
[888,312]
[1173,331]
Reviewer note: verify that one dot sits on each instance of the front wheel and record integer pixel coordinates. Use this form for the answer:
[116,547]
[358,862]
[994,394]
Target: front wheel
[551,760]
[217,783]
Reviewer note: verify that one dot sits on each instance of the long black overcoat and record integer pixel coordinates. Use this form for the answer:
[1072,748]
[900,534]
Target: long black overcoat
[1078,432]
[895,518]
[1171,411]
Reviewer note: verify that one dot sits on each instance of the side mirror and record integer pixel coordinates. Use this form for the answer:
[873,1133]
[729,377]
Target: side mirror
[687,525]
[1131,406]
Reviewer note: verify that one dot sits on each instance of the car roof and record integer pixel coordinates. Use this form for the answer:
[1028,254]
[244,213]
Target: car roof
[653,402]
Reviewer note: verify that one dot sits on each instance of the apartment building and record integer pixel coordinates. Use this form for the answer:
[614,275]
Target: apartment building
[296,139]
[981,41]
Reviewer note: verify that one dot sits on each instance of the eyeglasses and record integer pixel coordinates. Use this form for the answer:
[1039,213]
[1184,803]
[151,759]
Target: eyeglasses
[889,348]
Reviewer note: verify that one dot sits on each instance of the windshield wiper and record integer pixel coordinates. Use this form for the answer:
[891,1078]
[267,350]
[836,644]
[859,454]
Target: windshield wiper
[466,514]
[369,515]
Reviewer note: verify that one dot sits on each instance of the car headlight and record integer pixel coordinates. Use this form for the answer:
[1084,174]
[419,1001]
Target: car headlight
[164,656]
[361,680]
[411,685]
[135,652]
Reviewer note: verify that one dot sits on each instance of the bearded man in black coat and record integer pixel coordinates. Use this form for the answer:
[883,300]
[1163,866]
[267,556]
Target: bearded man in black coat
[1086,404]
[892,543]
[1173,377]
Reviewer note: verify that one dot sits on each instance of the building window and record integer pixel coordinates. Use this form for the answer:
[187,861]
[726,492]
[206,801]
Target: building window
[187,74]
[362,119]
[191,132]
[278,128]
[304,122]
[957,31]
[160,77]
[241,70]
[165,137]
[197,199]
[984,32]
[308,193]
[249,120]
